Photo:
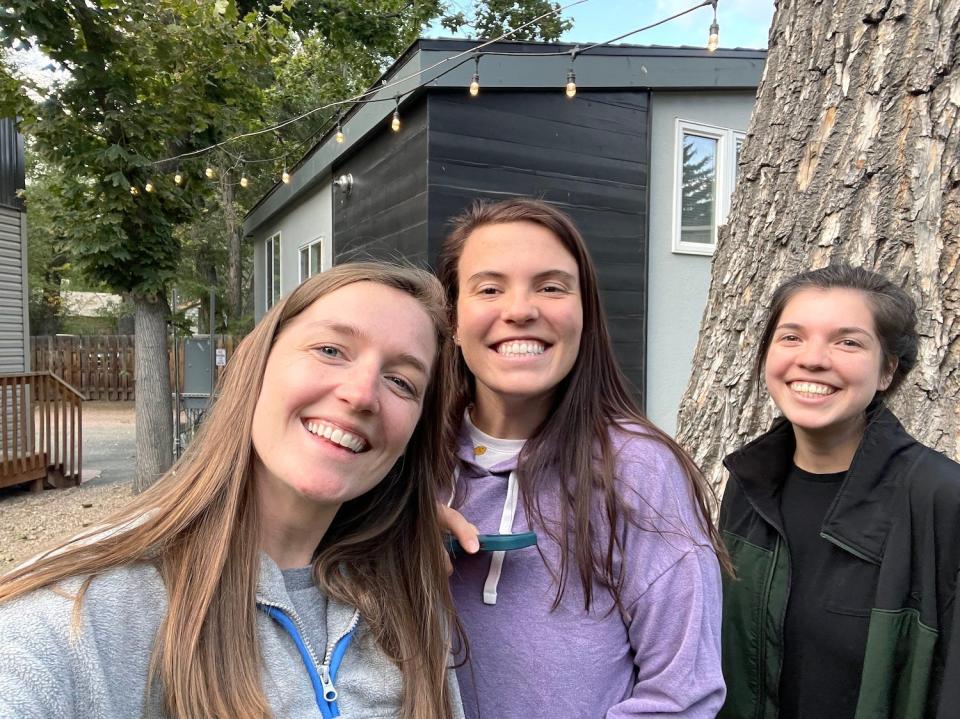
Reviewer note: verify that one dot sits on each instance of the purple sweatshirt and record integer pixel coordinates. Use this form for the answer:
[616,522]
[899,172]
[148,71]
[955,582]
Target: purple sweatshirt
[528,662]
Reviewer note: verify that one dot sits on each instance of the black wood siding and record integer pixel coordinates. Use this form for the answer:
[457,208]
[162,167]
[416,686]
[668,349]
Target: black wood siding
[589,156]
[11,164]
[385,214]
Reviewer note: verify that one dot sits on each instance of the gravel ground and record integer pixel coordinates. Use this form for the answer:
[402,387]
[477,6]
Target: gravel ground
[31,522]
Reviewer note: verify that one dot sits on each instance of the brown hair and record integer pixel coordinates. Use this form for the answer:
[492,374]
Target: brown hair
[590,399]
[199,524]
[894,315]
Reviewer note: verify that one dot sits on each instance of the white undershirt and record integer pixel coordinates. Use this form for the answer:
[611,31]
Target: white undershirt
[489,451]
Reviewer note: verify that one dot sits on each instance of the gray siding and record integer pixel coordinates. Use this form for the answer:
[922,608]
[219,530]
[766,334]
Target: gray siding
[13,307]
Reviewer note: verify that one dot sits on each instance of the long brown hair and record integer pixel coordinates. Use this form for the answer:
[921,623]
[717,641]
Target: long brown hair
[199,524]
[591,398]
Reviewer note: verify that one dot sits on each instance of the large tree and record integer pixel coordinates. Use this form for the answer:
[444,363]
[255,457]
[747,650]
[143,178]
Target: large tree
[851,155]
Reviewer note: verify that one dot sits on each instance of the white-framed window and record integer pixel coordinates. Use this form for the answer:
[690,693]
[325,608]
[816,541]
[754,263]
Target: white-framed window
[705,173]
[271,270]
[311,259]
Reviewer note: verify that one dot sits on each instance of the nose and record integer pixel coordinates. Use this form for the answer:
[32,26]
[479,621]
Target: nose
[814,355]
[520,308]
[359,388]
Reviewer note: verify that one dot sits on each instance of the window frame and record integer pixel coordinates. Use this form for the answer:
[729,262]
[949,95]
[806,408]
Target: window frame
[308,248]
[273,259]
[725,172]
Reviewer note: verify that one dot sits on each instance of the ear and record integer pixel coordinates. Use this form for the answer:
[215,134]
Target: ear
[886,375]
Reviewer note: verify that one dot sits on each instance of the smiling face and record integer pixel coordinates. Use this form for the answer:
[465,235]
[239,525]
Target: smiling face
[519,317]
[341,395]
[825,362]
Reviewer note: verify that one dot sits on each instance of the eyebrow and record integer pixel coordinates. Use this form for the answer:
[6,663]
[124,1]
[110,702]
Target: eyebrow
[547,274]
[838,331]
[354,331]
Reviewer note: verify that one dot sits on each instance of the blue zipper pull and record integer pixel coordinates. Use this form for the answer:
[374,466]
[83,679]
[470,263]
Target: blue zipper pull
[329,691]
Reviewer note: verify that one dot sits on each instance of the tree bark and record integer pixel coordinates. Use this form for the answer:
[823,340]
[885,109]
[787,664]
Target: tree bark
[851,155]
[234,238]
[154,410]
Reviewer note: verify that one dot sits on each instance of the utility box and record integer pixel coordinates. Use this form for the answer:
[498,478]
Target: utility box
[197,372]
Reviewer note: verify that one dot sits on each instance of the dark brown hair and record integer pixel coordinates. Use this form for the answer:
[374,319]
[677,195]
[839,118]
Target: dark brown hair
[894,315]
[590,399]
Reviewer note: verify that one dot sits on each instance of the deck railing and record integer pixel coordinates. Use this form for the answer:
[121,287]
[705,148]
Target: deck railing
[41,432]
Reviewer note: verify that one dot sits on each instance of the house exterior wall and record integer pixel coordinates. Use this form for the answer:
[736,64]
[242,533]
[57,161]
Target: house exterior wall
[384,215]
[588,155]
[678,283]
[14,330]
[14,317]
[306,222]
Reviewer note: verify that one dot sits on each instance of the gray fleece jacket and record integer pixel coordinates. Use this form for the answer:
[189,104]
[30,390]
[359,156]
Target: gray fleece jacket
[99,671]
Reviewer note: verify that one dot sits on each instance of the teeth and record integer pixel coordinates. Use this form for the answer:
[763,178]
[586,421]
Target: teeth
[336,435]
[528,347]
[811,388]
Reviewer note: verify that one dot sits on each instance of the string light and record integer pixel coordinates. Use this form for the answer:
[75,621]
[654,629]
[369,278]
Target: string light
[339,136]
[209,172]
[244,181]
[571,83]
[395,122]
[714,38]
[475,82]
[178,178]
[285,177]
[134,190]
[149,186]
[571,88]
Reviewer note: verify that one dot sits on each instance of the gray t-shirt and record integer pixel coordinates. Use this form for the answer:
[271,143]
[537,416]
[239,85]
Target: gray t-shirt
[311,606]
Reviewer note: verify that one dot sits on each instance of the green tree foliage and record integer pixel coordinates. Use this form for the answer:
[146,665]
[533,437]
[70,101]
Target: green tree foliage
[493,18]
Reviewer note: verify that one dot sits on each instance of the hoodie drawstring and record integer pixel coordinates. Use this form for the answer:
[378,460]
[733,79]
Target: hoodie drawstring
[506,527]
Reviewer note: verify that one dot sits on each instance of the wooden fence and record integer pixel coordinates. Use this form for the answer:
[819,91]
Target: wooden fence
[101,366]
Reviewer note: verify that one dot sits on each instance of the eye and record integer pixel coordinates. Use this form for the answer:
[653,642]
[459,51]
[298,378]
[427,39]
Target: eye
[553,289]
[487,290]
[789,338]
[329,351]
[403,385]
[853,344]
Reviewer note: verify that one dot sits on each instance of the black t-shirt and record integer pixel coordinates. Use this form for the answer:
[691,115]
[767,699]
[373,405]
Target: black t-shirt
[823,651]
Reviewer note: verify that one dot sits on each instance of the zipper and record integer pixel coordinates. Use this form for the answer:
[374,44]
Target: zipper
[321,674]
[331,662]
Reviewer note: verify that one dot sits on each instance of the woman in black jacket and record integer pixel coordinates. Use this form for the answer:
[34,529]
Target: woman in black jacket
[844,530]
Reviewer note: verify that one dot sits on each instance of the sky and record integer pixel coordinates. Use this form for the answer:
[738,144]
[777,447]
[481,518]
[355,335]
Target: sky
[743,23]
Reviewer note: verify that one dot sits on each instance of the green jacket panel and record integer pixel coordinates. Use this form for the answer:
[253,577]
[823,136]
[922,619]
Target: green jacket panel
[897,518]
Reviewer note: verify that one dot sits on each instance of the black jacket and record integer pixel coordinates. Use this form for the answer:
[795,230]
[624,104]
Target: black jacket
[897,516]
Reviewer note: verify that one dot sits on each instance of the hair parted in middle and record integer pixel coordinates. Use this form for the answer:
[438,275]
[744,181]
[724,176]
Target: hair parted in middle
[200,525]
[594,396]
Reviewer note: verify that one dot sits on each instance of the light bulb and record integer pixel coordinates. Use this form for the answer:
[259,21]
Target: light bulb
[209,172]
[178,178]
[395,122]
[149,186]
[571,83]
[475,85]
[244,181]
[714,38]
[340,137]
[134,190]
[285,177]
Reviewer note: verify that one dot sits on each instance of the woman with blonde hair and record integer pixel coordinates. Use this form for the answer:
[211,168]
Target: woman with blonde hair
[288,565]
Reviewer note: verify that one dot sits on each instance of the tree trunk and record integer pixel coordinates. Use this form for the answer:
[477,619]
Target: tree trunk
[234,238]
[154,411]
[851,155]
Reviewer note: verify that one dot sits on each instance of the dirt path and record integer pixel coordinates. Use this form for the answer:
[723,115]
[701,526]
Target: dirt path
[32,522]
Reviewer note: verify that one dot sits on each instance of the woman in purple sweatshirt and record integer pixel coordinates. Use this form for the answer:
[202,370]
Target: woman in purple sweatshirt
[616,612]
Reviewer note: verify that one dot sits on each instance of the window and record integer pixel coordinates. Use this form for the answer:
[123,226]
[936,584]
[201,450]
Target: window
[311,262]
[271,273]
[705,175]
